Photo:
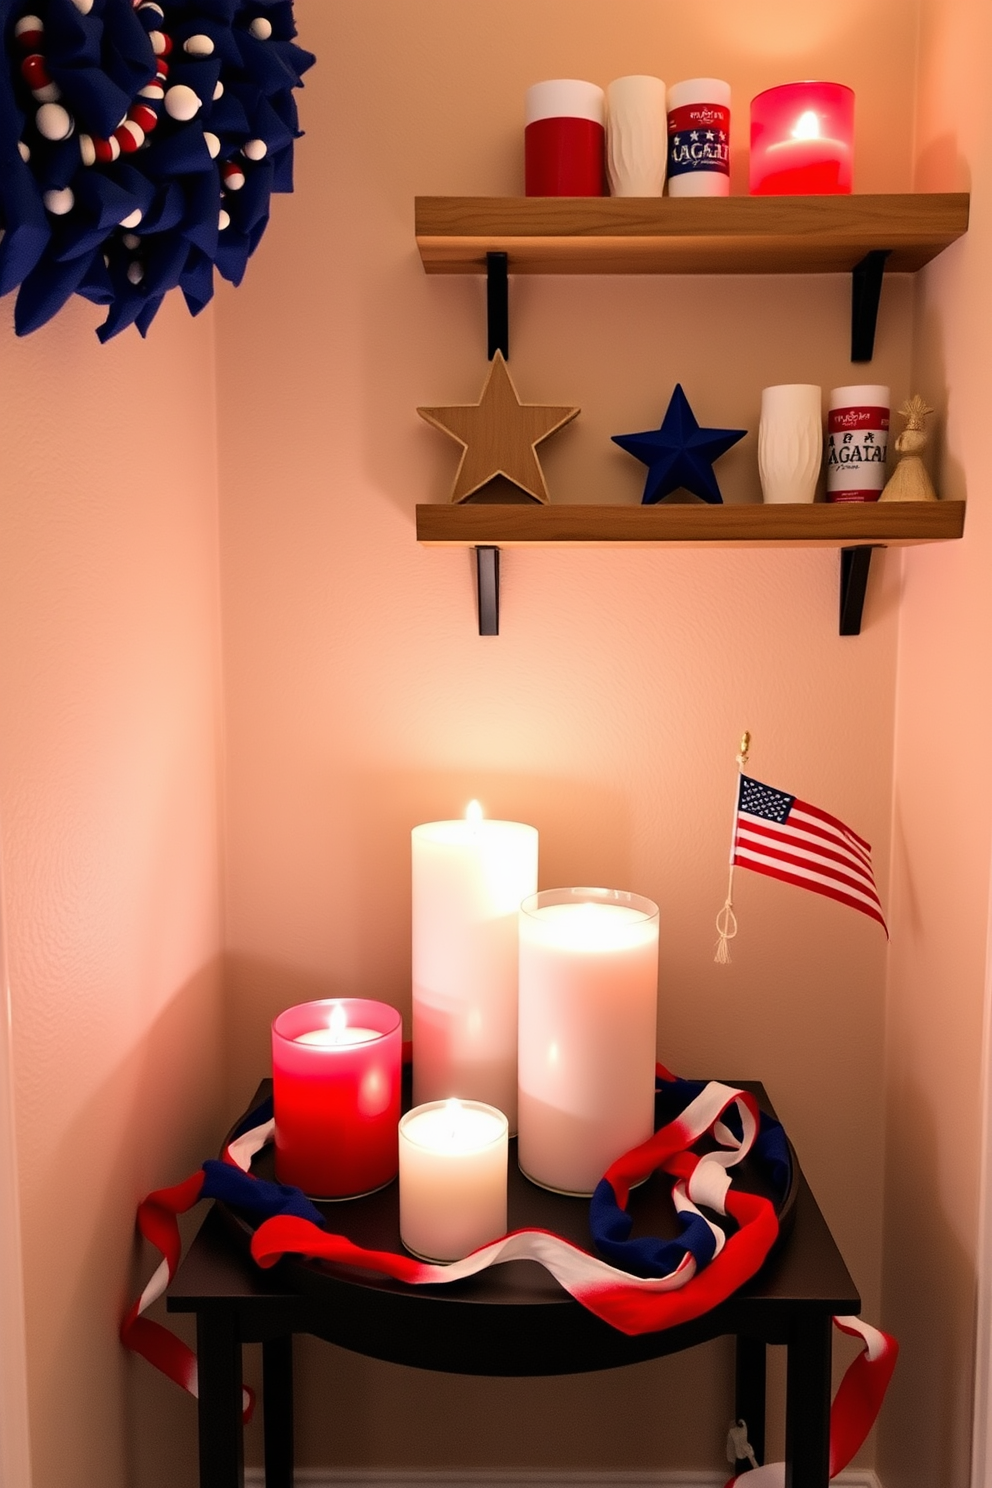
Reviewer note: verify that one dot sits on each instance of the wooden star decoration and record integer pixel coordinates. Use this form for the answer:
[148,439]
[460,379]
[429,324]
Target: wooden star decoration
[499,435]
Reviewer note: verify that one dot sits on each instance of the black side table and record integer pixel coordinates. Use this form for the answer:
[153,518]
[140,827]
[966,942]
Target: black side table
[512,1320]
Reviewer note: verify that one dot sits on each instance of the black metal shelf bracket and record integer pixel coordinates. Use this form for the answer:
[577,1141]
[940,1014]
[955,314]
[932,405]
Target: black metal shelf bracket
[866,289]
[487,579]
[497,304]
[854,565]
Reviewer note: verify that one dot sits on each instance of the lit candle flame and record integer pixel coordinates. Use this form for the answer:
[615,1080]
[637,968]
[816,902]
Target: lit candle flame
[473,812]
[807,126]
[338,1023]
[452,1109]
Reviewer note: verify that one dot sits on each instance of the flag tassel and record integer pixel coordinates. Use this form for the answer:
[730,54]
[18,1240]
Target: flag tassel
[726,924]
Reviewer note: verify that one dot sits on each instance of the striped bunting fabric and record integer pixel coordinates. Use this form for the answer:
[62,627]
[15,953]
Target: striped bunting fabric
[786,838]
[631,1303]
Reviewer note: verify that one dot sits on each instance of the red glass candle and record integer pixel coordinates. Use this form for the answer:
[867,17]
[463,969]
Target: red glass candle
[336,1093]
[565,139]
[802,140]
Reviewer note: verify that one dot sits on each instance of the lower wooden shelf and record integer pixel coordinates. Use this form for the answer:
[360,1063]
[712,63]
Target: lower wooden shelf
[805,525]
[855,528]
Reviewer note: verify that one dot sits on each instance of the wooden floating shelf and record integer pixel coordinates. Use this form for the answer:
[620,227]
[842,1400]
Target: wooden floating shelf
[686,235]
[872,524]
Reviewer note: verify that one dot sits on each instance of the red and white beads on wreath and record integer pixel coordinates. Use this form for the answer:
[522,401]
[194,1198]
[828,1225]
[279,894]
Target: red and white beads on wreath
[54,122]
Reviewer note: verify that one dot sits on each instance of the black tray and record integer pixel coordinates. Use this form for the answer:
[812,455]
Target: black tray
[373,1223]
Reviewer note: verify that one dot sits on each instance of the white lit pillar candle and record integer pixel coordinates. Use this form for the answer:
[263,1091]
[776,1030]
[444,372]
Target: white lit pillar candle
[452,1178]
[469,878]
[588,1011]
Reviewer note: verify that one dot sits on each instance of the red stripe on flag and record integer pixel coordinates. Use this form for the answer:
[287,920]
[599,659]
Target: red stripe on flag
[830,863]
[768,849]
[806,842]
[832,821]
[802,882]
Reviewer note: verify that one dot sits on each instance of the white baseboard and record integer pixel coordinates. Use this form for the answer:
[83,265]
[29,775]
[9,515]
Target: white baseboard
[398,1478]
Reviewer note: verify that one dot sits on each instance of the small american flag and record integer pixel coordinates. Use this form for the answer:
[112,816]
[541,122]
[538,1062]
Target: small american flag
[777,834]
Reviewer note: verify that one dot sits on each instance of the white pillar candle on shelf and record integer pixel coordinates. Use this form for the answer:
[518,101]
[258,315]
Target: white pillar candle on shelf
[452,1178]
[469,878]
[636,136]
[588,1014]
[790,441]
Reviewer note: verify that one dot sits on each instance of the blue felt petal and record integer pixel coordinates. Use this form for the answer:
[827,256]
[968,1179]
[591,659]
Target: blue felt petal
[184,153]
[200,225]
[250,206]
[263,64]
[197,283]
[97,285]
[148,314]
[233,252]
[126,307]
[297,60]
[45,290]
[201,76]
[164,263]
[282,170]
[26,225]
[228,117]
[166,210]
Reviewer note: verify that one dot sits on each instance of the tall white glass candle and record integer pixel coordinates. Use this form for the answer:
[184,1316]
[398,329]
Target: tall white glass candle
[588,1013]
[452,1178]
[469,878]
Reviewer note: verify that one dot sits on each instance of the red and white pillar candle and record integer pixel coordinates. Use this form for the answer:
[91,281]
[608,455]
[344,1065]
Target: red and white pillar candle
[857,440]
[565,139]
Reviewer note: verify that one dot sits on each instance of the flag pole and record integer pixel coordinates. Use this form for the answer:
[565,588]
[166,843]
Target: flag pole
[726,920]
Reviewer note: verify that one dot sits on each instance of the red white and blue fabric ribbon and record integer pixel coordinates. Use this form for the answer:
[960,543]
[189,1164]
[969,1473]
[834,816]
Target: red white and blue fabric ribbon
[675,1281]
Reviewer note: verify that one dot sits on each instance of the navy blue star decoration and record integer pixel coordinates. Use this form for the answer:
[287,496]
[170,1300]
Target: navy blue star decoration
[140,143]
[679,455]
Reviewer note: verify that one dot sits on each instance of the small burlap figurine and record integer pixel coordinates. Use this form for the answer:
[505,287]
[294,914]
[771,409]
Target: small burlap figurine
[910,481]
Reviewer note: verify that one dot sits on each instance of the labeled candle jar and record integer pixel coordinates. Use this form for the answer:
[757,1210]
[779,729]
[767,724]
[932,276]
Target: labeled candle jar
[469,878]
[586,1052]
[699,138]
[857,442]
[336,1095]
[452,1178]
[802,140]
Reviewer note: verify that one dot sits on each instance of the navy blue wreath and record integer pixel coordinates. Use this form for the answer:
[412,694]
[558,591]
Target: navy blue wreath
[112,189]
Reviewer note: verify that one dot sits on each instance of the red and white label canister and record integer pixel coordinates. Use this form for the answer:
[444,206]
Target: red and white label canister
[857,439]
[565,139]
[699,138]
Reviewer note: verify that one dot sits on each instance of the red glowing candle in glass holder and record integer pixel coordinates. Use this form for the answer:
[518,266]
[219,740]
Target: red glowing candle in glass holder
[336,1095]
[802,140]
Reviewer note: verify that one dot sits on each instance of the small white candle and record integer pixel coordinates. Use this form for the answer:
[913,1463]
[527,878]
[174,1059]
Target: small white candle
[588,1011]
[452,1178]
[469,878]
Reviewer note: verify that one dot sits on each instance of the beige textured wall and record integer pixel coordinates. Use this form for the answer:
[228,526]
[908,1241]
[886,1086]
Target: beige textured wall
[608,711]
[942,824]
[109,808]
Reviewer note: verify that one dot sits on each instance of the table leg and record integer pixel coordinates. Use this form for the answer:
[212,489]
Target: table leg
[749,1392]
[218,1347]
[277,1404]
[807,1415]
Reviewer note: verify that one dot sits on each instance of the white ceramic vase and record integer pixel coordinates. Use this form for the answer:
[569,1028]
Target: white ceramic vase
[790,441]
[636,136]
